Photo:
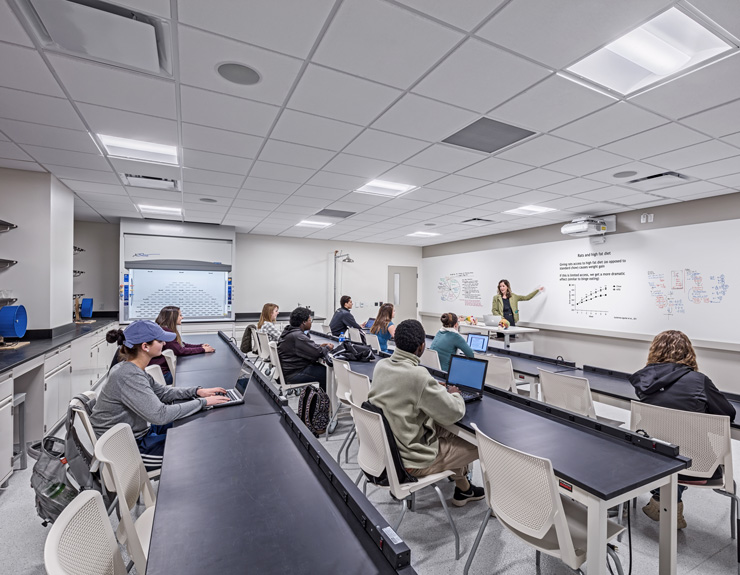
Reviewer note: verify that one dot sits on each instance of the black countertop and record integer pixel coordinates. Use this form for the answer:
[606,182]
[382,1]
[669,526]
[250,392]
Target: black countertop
[11,358]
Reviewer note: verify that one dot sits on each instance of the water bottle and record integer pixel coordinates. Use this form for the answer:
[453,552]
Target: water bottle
[342,336]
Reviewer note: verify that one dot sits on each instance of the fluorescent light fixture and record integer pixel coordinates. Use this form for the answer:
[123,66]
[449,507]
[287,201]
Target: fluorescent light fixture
[313,224]
[138,150]
[422,235]
[664,46]
[384,188]
[530,210]
[160,210]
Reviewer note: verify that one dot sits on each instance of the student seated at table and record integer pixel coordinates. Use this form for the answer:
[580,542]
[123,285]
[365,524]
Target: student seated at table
[448,341]
[671,379]
[383,325]
[132,396]
[343,317]
[416,406]
[267,320]
[168,319]
[299,355]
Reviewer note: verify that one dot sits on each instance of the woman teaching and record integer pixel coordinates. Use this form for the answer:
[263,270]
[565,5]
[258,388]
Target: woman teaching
[506,303]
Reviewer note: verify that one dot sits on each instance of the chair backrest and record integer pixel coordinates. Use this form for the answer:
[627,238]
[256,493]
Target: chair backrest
[83,417]
[264,346]
[430,359]
[325,328]
[354,335]
[275,358]
[156,372]
[567,392]
[171,359]
[359,386]
[500,373]
[256,343]
[81,540]
[372,341]
[341,375]
[703,437]
[521,489]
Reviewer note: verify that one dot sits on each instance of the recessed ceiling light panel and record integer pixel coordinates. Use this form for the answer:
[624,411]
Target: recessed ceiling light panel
[160,210]
[421,235]
[530,211]
[384,188]
[313,224]
[138,150]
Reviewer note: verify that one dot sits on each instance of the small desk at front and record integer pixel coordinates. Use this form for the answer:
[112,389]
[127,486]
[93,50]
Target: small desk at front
[597,465]
[247,489]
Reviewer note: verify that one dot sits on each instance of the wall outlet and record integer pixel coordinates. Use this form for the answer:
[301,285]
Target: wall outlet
[650,218]
[643,218]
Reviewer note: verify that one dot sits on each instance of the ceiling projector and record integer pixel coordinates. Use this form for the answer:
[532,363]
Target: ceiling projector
[589,226]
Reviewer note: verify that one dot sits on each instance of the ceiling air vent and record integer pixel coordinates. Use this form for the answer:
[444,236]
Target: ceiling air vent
[150,182]
[477,222]
[658,181]
[339,214]
[100,31]
[486,135]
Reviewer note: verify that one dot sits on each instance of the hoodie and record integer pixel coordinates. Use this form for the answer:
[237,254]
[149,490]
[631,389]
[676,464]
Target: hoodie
[297,351]
[677,386]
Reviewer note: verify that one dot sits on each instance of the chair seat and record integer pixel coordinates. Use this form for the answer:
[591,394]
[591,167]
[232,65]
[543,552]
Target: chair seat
[143,528]
[612,422]
[710,483]
[423,482]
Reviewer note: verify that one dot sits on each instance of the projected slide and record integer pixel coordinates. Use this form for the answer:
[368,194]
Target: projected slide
[199,294]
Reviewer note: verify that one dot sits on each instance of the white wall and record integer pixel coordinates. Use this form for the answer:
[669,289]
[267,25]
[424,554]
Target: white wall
[61,232]
[99,261]
[289,271]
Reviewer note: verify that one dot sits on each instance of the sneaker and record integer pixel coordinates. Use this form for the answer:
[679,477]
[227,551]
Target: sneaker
[652,510]
[462,497]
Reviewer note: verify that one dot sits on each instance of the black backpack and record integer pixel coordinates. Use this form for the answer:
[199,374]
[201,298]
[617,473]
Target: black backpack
[247,345]
[351,351]
[313,409]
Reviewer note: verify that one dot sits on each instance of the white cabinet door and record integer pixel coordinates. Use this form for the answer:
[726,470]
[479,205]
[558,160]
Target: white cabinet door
[81,365]
[6,438]
[64,385]
[56,392]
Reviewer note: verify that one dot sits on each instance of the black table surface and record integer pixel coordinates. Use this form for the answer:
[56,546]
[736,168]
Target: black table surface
[250,502]
[10,358]
[204,361]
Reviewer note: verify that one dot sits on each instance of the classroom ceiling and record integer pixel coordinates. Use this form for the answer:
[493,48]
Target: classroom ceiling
[355,90]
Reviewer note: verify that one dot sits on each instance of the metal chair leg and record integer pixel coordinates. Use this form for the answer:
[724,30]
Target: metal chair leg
[357,481]
[478,537]
[346,439]
[537,558]
[452,523]
[403,513]
[351,439]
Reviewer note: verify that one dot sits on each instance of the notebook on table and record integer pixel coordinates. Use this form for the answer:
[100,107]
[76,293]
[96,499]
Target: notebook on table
[478,342]
[469,375]
[236,395]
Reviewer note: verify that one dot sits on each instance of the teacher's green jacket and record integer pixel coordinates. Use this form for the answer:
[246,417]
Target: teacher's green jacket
[497,307]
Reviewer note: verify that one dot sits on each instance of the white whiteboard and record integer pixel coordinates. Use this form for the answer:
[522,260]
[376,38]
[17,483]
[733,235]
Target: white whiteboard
[683,278]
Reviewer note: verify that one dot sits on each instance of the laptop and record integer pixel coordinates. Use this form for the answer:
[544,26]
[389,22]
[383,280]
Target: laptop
[478,342]
[469,375]
[493,320]
[369,323]
[236,395]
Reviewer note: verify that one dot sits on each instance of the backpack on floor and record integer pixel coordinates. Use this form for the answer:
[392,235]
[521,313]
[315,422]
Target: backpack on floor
[54,490]
[313,409]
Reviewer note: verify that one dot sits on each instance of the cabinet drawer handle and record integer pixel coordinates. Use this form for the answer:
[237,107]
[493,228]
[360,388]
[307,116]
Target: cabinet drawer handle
[6,402]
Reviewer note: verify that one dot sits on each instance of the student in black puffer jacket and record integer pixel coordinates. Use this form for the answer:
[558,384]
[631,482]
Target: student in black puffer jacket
[671,379]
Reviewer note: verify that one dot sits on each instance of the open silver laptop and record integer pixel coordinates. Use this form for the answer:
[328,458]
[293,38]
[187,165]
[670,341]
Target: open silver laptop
[236,395]
[492,320]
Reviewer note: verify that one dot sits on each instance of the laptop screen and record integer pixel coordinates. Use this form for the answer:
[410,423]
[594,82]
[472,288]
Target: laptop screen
[243,379]
[478,342]
[467,372]
[370,323]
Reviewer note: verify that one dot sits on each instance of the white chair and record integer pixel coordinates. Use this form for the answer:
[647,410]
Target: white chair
[570,393]
[372,341]
[430,358]
[256,345]
[325,328]
[264,352]
[354,334]
[522,491]
[171,359]
[374,456]
[341,377]
[156,372]
[82,540]
[500,373]
[289,387]
[118,451]
[703,437]
[359,389]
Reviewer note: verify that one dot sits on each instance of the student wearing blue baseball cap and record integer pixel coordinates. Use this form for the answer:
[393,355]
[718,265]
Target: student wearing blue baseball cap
[132,396]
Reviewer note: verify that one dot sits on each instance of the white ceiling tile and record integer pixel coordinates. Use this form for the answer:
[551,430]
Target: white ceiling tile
[656,141]
[108,86]
[302,211]
[694,92]
[196,206]
[353,44]
[338,181]
[288,26]
[467,16]
[596,209]
[716,169]
[145,168]
[226,112]
[458,184]
[463,201]
[105,199]
[726,13]
[10,29]
[717,122]
[67,158]
[321,192]
[139,195]
[537,178]
[340,96]
[40,109]
[565,202]
[635,199]
[445,158]
[209,177]
[423,118]
[216,162]
[574,186]
[65,172]
[367,200]
[610,124]
[272,186]
[130,125]
[499,206]
[384,146]
[251,207]
[429,195]
[587,163]
[403,174]
[9,151]
[542,150]
[49,136]
[551,103]
[23,69]
[305,201]
[21,165]
[295,154]
[496,191]
[607,176]
[220,141]
[357,166]
[558,34]
[157,7]
[532,197]
[94,187]
[606,194]
[282,172]
[690,189]
[694,155]
[471,77]
[494,169]
[731,181]
[201,53]
[246,197]
[314,131]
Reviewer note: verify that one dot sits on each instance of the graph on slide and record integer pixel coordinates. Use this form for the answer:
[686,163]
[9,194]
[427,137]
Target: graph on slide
[594,301]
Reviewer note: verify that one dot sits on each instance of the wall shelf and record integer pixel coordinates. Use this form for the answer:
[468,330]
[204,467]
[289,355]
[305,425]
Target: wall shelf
[5,264]
[6,226]
[7,301]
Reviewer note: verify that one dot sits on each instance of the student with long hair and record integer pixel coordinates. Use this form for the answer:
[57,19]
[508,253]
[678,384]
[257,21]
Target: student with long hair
[506,302]
[169,318]
[267,320]
[672,379]
[131,395]
[383,326]
[447,341]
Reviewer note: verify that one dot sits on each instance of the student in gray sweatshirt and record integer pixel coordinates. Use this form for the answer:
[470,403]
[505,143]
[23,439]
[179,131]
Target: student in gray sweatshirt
[132,396]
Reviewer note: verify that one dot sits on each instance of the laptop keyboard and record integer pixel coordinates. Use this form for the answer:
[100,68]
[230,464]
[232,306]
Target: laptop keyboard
[468,396]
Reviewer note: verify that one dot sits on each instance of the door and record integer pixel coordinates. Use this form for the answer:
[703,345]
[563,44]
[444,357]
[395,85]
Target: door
[402,291]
